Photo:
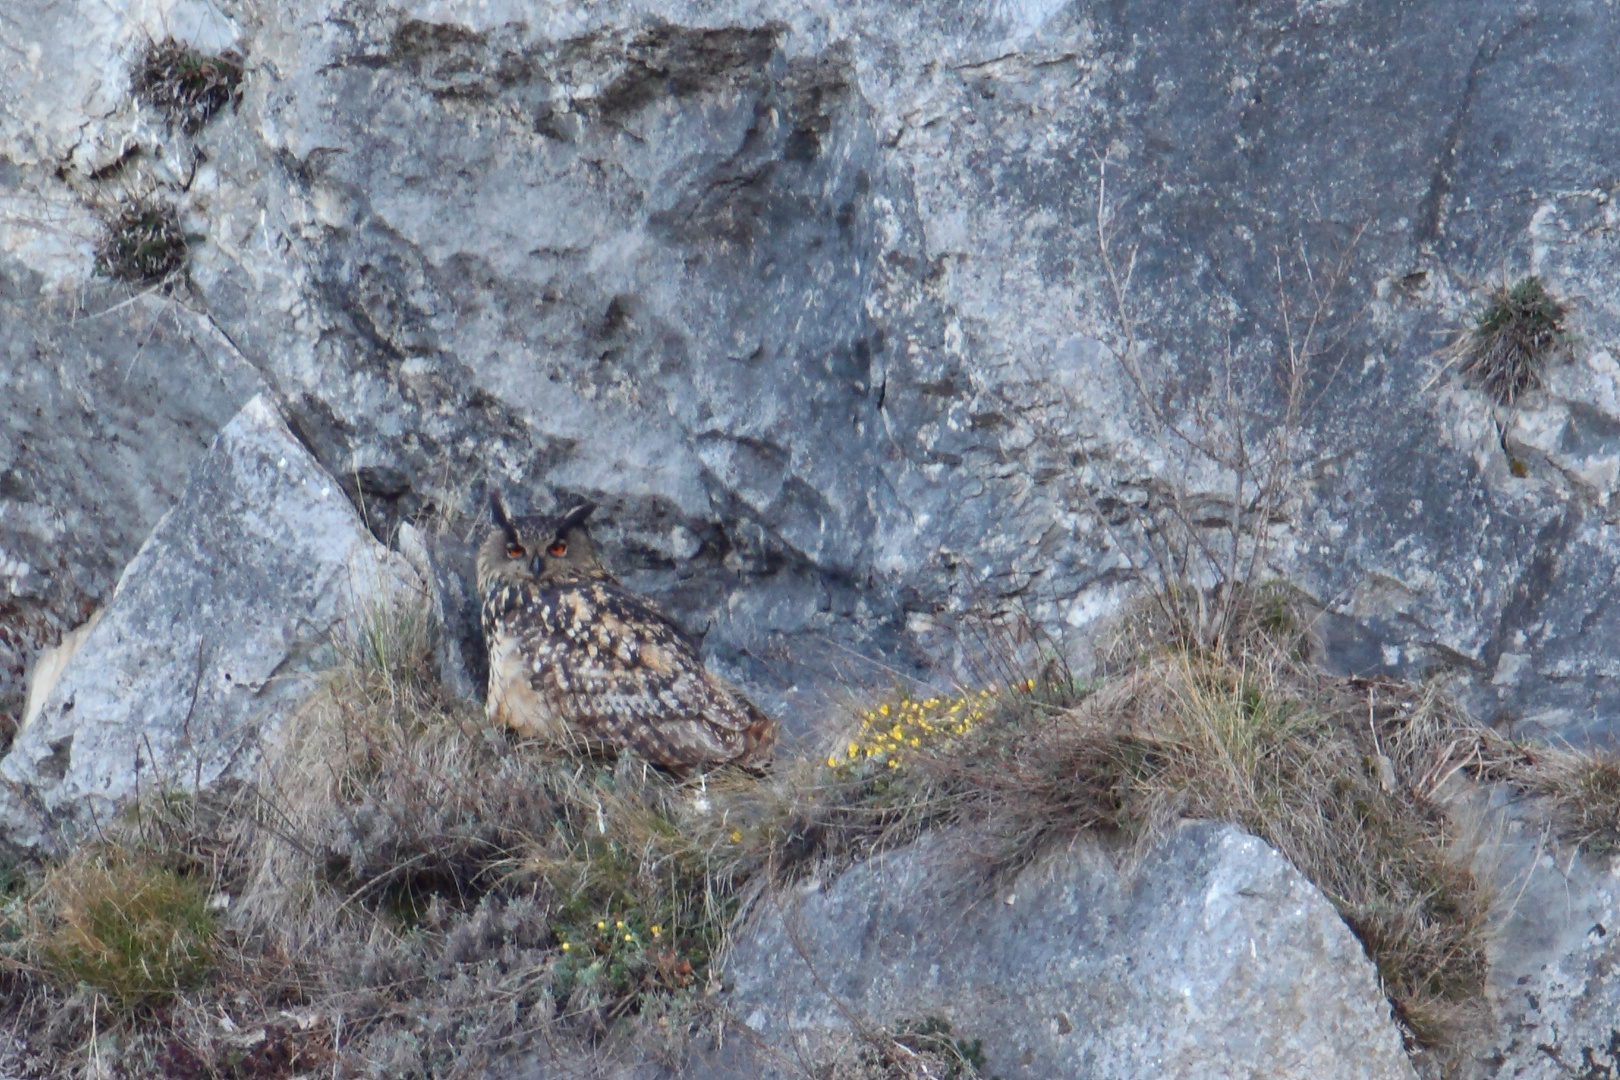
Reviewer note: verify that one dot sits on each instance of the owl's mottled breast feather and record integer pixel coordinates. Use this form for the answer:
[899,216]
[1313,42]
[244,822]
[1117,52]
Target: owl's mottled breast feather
[616,668]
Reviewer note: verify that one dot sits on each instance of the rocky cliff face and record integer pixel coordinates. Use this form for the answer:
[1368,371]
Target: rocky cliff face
[812,299]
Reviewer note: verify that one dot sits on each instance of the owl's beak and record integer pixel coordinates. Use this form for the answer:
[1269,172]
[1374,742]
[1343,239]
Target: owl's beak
[534,566]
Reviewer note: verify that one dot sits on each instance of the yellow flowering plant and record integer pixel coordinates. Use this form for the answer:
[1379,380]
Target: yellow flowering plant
[894,729]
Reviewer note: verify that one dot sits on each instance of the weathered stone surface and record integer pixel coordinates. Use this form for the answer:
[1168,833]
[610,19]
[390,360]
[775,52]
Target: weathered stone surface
[108,403]
[811,299]
[1213,958]
[211,634]
[1554,984]
[447,569]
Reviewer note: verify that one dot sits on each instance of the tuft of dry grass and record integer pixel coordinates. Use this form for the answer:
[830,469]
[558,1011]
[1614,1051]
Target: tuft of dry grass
[134,930]
[1580,789]
[1344,786]
[143,245]
[912,1050]
[1519,331]
[188,87]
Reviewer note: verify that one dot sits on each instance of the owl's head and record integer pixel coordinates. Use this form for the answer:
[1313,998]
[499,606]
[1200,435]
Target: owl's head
[534,547]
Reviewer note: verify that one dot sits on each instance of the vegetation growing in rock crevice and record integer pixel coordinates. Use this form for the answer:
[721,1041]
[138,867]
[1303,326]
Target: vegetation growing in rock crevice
[144,244]
[924,1049]
[1335,774]
[1515,336]
[187,86]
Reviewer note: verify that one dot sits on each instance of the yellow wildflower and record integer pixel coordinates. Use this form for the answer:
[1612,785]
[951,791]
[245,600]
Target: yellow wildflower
[565,946]
[736,836]
[656,930]
[601,926]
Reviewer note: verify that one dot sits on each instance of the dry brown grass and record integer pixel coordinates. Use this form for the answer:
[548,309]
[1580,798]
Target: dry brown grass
[132,929]
[186,86]
[412,895]
[916,1050]
[1579,790]
[1292,758]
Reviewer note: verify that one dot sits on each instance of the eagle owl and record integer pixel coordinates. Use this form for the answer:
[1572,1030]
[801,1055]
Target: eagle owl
[575,658]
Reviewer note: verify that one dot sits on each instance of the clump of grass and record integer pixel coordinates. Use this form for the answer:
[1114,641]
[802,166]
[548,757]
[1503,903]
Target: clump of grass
[913,1050]
[134,930]
[188,87]
[1252,738]
[1519,331]
[143,245]
[1581,788]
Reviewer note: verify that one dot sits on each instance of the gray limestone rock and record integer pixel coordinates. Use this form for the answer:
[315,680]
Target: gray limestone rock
[108,402]
[810,299]
[446,567]
[1212,958]
[210,635]
[1554,982]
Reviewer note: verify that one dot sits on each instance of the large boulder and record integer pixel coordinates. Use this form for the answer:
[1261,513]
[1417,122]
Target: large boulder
[211,635]
[1212,958]
[108,403]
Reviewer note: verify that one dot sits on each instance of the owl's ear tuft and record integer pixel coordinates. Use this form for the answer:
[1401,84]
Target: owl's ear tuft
[500,518]
[574,518]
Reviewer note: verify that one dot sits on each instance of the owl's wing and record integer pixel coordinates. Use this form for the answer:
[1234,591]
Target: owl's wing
[620,671]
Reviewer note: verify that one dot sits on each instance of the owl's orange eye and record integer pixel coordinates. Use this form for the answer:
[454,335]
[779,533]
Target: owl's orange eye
[558,550]
[515,551]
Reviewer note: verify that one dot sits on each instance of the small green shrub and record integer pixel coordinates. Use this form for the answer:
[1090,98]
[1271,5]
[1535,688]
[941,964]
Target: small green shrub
[1518,333]
[143,245]
[136,932]
[188,87]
